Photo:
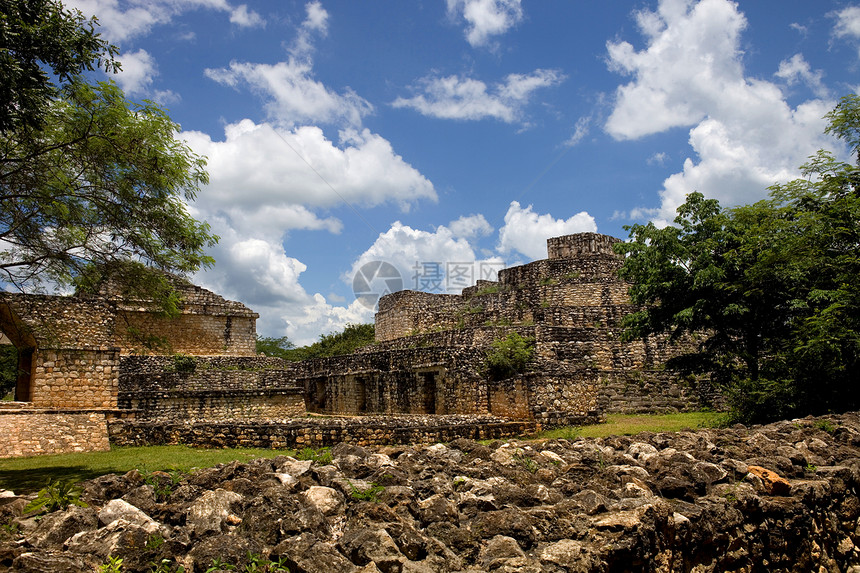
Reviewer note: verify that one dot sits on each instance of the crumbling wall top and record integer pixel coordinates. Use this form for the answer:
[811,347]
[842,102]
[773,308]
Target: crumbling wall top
[588,244]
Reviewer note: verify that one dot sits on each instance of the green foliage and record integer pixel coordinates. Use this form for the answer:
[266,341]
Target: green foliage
[99,192]
[8,368]
[353,337]
[218,564]
[163,482]
[509,356]
[492,289]
[370,493]
[154,541]
[113,565]
[56,495]
[824,426]
[43,43]
[165,566]
[321,456]
[529,464]
[276,347]
[771,287]
[184,364]
[258,564]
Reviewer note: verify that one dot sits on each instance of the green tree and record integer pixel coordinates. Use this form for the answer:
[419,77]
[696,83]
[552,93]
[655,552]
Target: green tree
[92,185]
[8,369]
[769,289]
[277,347]
[37,36]
[353,337]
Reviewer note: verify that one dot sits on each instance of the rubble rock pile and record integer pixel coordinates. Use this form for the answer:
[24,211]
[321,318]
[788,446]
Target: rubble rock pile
[781,497]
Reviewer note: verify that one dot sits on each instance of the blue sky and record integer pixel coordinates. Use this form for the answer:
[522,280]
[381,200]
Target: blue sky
[466,132]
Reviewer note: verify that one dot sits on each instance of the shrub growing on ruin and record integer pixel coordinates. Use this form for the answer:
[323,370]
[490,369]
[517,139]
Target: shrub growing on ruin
[509,356]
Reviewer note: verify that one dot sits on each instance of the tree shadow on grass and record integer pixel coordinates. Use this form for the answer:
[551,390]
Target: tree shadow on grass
[32,480]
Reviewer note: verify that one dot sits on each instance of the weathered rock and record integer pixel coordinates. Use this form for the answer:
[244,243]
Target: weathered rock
[655,502]
[570,555]
[210,512]
[50,563]
[500,550]
[326,500]
[364,546]
[307,554]
[55,528]
[773,483]
[118,539]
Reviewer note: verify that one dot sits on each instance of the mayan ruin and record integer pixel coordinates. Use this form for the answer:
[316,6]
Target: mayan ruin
[86,380]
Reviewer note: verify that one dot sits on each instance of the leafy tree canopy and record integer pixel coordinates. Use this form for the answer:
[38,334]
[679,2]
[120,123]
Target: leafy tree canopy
[769,290]
[353,337]
[92,185]
[37,36]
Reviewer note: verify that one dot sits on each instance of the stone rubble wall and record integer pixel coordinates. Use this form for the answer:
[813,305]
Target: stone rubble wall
[170,388]
[572,246]
[431,380]
[31,432]
[57,321]
[317,432]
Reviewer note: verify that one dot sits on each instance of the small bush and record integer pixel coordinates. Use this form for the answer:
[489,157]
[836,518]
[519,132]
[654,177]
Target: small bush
[184,364]
[321,456]
[509,356]
[371,493]
[56,495]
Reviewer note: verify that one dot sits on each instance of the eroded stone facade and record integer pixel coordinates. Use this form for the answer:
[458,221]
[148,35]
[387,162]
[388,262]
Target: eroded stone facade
[431,348]
[85,354]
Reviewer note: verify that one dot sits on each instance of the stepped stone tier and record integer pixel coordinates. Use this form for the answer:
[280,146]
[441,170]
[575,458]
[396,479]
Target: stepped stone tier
[431,347]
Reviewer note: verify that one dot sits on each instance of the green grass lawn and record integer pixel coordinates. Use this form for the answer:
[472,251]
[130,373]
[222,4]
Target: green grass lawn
[27,475]
[630,424]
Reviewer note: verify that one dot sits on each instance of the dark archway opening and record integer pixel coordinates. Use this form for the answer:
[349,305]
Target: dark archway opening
[17,352]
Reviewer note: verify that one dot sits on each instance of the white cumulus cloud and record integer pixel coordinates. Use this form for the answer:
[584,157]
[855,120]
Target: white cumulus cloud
[122,21]
[245,18]
[138,71]
[526,232]
[744,134]
[432,261]
[258,164]
[797,70]
[486,18]
[292,95]
[455,97]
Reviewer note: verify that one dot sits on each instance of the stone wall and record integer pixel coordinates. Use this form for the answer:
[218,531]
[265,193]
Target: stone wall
[573,246]
[72,378]
[208,388]
[431,380]
[317,432]
[208,324]
[30,432]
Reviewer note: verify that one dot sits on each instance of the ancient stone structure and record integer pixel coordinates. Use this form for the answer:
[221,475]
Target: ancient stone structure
[182,378]
[431,348]
[83,359]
